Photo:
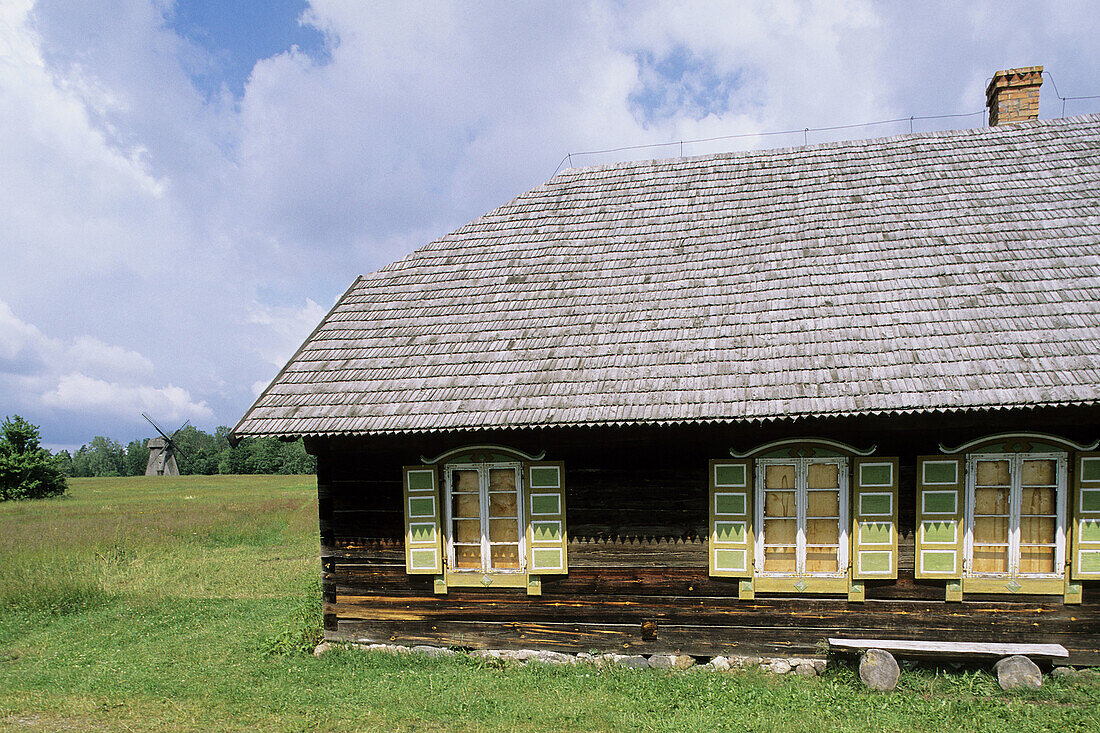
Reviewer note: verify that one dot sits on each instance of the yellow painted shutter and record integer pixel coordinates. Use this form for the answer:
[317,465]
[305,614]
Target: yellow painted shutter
[875,518]
[546,532]
[731,529]
[423,538]
[1085,502]
[940,511]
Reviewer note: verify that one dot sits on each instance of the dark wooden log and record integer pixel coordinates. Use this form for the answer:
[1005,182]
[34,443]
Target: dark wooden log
[622,638]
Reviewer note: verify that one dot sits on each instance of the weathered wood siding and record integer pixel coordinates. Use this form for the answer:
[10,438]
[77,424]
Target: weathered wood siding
[637,520]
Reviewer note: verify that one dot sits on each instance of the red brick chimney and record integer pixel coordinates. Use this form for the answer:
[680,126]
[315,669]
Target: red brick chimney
[1013,95]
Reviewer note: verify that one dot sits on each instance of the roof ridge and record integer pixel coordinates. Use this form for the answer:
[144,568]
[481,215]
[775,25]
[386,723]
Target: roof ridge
[954,132]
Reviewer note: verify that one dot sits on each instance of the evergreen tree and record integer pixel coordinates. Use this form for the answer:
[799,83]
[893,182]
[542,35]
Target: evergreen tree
[27,470]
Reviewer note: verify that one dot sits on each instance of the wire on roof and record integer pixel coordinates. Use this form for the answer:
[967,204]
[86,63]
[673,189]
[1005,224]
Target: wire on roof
[805,135]
[807,130]
[1055,85]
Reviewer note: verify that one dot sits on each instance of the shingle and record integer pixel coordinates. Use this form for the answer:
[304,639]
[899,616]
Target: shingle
[942,271]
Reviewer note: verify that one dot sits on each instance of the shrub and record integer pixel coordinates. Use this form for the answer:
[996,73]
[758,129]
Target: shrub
[27,470]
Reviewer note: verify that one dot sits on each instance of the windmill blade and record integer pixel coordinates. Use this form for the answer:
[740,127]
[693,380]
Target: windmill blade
[181,427]
[157,427]
[178,451]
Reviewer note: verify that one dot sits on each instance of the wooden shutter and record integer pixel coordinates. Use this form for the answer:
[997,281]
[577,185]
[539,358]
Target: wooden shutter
[875,518]
[940,511]
[546,532]
[423,538]
[1085,526]
[731,519]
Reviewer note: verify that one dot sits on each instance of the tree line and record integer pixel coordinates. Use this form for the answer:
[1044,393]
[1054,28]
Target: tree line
[198,452]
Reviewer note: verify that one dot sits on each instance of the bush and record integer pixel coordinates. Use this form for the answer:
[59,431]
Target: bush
[27,470]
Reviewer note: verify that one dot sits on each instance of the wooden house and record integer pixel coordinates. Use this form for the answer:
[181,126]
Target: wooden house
[732,404]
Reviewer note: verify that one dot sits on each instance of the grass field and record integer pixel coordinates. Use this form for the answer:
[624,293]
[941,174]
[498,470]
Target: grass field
[182,604]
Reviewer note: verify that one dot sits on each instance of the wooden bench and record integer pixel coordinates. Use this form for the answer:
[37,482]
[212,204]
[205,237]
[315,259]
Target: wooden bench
[904,648]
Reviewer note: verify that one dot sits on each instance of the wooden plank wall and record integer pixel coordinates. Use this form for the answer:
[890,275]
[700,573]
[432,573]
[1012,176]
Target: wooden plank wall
[637,553]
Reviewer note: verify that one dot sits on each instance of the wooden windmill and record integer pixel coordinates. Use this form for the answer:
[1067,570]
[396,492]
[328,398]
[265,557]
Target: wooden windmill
[162,452]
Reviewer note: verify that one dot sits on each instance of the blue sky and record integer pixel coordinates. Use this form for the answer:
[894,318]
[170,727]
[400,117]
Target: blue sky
[188,186]
[238,34]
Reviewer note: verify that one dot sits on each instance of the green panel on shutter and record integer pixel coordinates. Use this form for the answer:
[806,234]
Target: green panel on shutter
[939,539]
[1090,561]
[940,562]
[939,531]
[730,532]
[940,502]
[726,503]
[546,531]
[730,561]
[423,561]
[940,472]
[874,534]
[1085,548]
[423,538]
[547,560]
[421,480]
[729,475]
[421,506]
[547,477]
[545,504]
[878,563]
[875,504]
[876,475]
[422,532]
[547,536]
[730,519]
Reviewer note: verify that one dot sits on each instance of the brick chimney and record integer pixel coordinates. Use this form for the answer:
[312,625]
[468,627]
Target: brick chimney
[1013,95]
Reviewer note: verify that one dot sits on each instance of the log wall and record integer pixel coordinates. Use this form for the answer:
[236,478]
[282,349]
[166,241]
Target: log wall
[637,520]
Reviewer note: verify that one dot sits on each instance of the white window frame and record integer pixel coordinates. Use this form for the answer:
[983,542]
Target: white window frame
[801,501]
[1015,501]
[483,488]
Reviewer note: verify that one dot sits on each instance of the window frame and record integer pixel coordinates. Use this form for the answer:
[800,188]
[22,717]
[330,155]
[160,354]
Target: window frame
[1015,501]
[483,469]
[844,489]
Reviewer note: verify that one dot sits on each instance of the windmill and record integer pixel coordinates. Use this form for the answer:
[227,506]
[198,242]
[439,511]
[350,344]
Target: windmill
[162,452]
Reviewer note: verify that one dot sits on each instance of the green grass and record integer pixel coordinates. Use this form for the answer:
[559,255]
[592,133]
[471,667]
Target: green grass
[184,604]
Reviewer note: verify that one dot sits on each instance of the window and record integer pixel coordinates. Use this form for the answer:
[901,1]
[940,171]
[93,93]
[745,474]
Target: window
[486,515]
[484,523]
[802,516]
[994,516]
[1015,514]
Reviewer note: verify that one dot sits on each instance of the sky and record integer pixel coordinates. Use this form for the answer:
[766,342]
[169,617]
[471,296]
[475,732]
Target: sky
[187,187]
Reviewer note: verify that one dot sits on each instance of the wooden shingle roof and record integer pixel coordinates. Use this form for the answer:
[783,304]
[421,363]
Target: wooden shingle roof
[942,271]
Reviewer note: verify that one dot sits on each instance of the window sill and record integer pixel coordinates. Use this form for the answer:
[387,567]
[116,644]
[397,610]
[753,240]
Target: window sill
[453,579]
[796,584]
[1052,586]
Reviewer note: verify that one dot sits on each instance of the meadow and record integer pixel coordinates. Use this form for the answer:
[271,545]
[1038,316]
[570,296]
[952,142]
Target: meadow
[191,603]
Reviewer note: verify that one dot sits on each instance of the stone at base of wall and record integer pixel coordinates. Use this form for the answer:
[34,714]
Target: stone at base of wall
[776,665]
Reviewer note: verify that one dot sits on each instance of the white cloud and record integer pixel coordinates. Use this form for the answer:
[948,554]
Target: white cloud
[18,338]
[89,353]
[78,392]
[84,376]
